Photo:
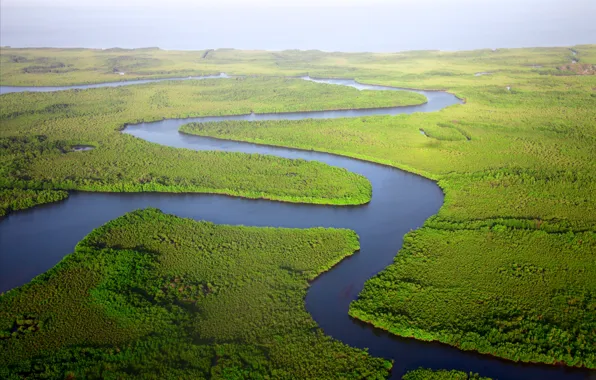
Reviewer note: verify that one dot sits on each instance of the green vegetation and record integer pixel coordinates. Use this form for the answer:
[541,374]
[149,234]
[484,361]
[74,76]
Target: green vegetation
[442,287]
[19,199]
[530,161]
[429,374]
[155,296]
[22,67]
[517,167]
[40,129]
[47,165]
[507,265]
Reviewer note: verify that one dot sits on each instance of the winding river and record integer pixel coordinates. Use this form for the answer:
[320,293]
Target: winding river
[34,240]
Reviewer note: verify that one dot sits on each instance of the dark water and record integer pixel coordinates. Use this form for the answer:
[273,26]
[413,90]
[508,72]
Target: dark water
[34,240]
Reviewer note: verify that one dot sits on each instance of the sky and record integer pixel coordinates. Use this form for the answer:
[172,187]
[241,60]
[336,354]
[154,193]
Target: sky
[329,25]
[210,3]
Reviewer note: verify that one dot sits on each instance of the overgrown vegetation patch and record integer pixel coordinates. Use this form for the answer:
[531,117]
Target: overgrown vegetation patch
[442,374]
[442,287]
[15,199]
[38,131]
[22,325]
[150,294]
[518,172]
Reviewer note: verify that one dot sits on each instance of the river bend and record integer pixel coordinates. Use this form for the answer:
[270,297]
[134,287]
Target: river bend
[34,240]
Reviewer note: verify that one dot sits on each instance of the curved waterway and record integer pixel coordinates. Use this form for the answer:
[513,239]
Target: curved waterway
[34,240]
[11,89]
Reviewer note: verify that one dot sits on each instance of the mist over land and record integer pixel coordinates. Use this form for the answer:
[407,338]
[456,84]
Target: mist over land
[349,26]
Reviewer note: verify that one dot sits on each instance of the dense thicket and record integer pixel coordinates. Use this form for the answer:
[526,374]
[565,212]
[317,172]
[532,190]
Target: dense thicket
[429,374]
[20,199]
[153,295]
[39,131]
[442,287]
[38,163]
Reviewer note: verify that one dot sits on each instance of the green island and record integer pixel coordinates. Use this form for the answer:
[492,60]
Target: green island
[505,268]
[156,296]
[428,374]
[39,131]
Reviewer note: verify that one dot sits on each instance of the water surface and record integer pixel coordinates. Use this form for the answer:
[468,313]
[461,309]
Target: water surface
[11,89]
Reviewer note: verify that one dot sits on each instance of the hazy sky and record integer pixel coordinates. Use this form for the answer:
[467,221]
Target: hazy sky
[331,25]
[210,3]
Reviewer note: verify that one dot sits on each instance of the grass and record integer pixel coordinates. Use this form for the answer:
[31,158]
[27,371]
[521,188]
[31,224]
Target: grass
[153,295]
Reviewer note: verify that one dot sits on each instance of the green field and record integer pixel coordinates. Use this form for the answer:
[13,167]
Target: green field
[156,296]
[506,267]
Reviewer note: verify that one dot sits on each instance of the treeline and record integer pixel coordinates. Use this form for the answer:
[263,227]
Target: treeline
[56,67]
[150,294]
[20,199]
